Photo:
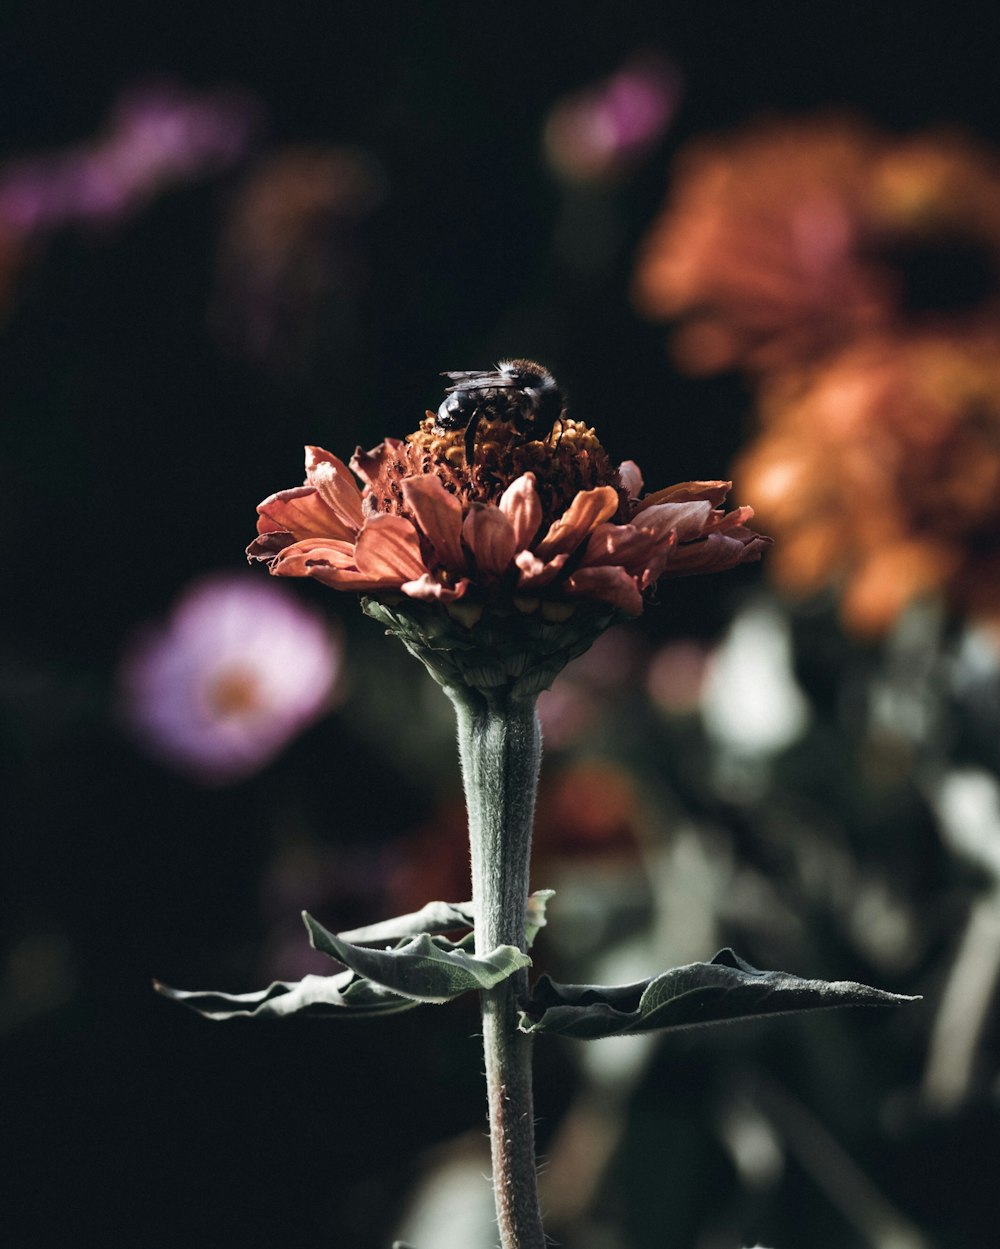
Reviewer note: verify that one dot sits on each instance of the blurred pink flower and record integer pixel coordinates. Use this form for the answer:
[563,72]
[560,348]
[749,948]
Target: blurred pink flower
[158,135]
[239,668]
[602,132]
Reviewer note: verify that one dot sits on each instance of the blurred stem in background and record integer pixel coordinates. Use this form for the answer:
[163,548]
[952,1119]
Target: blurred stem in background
[501,749]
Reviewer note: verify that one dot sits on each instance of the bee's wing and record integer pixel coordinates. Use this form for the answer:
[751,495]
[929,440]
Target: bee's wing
[479,380]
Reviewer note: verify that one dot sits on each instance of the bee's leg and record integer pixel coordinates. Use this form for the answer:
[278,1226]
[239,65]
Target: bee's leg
[470,438]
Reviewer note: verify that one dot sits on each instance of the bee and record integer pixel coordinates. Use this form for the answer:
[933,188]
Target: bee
[520,392]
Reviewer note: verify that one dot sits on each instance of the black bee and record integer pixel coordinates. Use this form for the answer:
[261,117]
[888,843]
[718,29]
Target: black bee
[521,392]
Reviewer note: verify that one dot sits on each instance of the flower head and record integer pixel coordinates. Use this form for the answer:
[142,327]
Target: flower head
[791,238]
[881,475]
[239,668]
[539,526]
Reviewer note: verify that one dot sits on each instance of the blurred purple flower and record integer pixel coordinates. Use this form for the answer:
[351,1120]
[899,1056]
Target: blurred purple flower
[604,131]
[158,135]
[239,668]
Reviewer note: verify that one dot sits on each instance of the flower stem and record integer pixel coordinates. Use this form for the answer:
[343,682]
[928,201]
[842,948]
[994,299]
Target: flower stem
[500,746]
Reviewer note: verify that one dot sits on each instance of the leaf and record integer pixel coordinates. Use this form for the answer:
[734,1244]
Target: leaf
[317,996]
[433,918]
[439,917]
[721,991]
[534,918]
[428,969]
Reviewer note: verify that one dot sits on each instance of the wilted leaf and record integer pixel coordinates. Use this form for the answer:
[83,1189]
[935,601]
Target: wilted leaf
[438,917]
[426,968]
[343,995]
[534,919]
[721,991]
[433,918]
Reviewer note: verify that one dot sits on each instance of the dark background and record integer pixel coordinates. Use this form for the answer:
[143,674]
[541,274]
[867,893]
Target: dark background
[134,449]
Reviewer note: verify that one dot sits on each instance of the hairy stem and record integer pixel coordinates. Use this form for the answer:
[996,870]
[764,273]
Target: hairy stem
[500,747]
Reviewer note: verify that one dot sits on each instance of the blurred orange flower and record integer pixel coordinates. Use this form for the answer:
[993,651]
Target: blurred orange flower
[880,475]
[547,522]
[791,238]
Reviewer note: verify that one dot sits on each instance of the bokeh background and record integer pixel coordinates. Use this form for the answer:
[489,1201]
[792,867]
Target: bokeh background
[224,234]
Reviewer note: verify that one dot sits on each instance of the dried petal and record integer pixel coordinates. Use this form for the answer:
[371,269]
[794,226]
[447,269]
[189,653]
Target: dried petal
[490,537]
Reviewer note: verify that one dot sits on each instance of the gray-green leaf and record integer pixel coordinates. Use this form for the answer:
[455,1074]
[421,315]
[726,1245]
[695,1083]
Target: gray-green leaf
[343,995]
[438,917]
[721,991]
[433,918]
[427,969]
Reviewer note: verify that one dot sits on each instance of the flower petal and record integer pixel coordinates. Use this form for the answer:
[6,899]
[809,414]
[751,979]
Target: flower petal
[490,537]
[686,520]
[631,478]
[713,492]
[626,545]
[716,553]
[439,516]
[523,508]
[335,485]
[303,513]
[537,572]
[587,510]
[299,559]
[388,549]
[608,585]
[428,588]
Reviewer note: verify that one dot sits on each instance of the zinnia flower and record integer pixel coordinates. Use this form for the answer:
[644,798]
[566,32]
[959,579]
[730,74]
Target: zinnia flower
[237,671]
[542,527]
[792,238]
[880,473]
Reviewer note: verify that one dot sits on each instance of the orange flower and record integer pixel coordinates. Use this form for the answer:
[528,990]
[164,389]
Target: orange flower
[880,473]
[787,240]
[429,530]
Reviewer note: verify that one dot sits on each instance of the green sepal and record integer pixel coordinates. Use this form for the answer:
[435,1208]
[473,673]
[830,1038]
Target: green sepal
[724,990]
[427,969]
[344,995]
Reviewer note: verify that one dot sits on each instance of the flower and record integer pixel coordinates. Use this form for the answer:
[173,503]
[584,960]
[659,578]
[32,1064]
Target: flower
[544,529]
[880,472]
[604,131]
[159,135]
[238,670]
[433,532]
[791,238]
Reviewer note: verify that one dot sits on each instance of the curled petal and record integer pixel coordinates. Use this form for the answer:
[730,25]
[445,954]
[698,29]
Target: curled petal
[537,572]
[490,537]
[335,486]
[428,588]
[303,513]
[716,553]
[631,478]
[269,544]
[388,549]
[368,464]
[713,492]
[439,515]
[609,585]
[587,510]
[523,508]
[686,521]
[299,559]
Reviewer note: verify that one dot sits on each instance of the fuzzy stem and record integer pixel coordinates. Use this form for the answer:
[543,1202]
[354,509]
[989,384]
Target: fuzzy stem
[500,746]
